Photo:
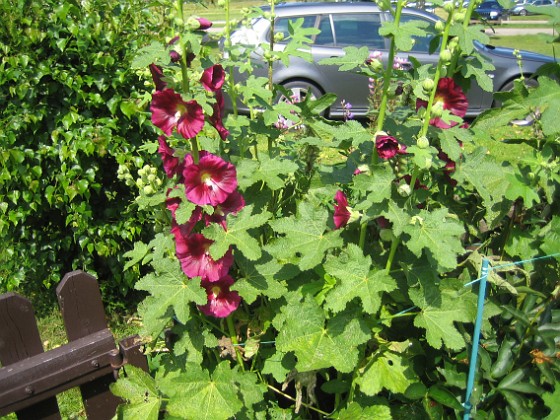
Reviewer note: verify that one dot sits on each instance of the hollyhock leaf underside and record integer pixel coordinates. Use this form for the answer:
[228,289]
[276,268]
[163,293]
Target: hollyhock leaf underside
[317,347]
[236,234]
[171,288]
[356,279]
[404,32]
[305,239]
[206,397]
[437,235]
[352,55]
[388,370]
[139,389]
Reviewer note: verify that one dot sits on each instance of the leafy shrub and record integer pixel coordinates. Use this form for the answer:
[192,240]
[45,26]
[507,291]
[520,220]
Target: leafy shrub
[72,112]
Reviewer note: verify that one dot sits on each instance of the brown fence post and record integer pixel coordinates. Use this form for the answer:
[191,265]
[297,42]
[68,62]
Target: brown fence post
[83,313]
[20,339]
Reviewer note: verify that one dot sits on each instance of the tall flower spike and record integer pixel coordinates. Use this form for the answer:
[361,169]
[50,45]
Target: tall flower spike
[196,261]
[221,300]
[210,181]
[451,97]
[169,111]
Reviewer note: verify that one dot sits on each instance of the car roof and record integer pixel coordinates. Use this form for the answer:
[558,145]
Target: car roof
[305,8]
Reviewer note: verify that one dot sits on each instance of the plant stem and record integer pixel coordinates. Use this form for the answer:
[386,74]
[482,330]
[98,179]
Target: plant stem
[388,71]
[309,406]
[227,47]
[394,244]
[194,149]
[437,75]
[233,337]
[363,232]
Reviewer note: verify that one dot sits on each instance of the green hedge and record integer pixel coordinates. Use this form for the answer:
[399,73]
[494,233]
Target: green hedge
[71,112]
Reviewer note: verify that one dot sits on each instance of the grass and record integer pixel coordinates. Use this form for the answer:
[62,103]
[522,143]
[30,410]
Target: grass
[535,43]
[51,329]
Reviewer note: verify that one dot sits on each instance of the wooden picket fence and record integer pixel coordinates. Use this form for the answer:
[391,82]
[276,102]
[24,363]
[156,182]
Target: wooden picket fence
[31,378]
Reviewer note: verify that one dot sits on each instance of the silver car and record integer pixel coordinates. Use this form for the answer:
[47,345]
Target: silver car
[357,24]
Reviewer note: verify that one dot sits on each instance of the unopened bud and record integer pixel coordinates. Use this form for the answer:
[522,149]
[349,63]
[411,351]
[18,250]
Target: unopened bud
[439,26]
[445,56]
[423,142]
[449,7]
[428,85]
[404,190]
[437,109]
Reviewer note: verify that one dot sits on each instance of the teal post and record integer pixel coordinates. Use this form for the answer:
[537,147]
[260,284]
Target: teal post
[476,338]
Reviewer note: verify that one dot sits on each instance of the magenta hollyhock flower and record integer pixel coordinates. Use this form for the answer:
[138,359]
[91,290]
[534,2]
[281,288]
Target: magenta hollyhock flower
[210,181]
[216,118]
[196,261]
[232,205]
[157,76]
[170,111]
[388,146]
[221,300]
[451,97]
[341,212]
[171,163]
[213,78]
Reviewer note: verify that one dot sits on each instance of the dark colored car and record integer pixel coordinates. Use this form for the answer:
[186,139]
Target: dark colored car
[357,24]
[491,10]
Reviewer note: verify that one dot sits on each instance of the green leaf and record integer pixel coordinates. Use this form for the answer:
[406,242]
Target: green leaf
[170,287]
[379,182]
[387,370]
[444,396]
[317,346]
[356,279]
[237,234]
[397,216]
[352,58]
[552,401]
[138,388]
[467,35]
[480,68]
[304,237]
[263,277]
[546,98]
[266,170]
[436,234]
[203,396]
[404,32]
[439,312]
[153,53]
[356,412]
[136,255]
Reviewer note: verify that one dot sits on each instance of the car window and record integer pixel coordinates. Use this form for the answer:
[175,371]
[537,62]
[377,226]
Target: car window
[358,30]
[282,24]
[325,37]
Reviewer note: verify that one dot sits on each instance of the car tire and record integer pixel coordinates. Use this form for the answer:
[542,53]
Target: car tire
[523,12]
[300,89]
[530,83]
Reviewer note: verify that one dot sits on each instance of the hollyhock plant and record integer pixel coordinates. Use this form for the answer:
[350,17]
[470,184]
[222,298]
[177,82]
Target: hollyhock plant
[450,97]
[388,147]
[341,212]
[196,261]
[221,300]
[210,181]
[169,111]
[213,78]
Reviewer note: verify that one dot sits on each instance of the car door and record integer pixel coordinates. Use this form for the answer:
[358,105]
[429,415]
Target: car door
[340,30]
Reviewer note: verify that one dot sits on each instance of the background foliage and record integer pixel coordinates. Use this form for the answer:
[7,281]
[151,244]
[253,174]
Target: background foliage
[72,111]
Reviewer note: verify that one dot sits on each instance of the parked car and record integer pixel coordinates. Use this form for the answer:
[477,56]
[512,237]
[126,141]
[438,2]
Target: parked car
[357,24]
[491,10]
[521,9]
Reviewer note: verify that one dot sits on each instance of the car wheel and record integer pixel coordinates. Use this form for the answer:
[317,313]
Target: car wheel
[523,12]
[530,83]
[300,91]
